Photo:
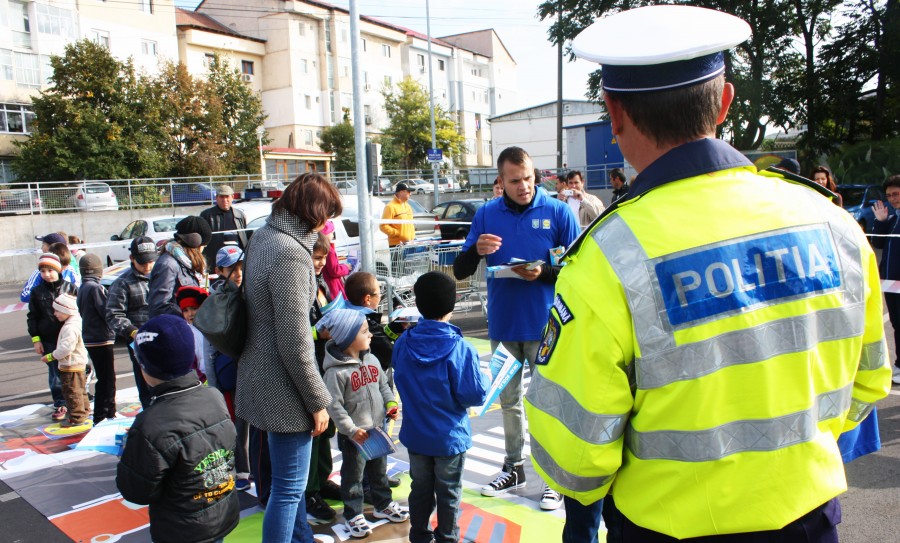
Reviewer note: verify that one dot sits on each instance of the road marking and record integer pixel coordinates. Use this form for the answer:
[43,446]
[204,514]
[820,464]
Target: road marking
[9,496]
[17,351]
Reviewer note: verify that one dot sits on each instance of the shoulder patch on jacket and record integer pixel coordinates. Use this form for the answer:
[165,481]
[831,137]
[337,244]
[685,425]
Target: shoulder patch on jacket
[565,314]
[548,342]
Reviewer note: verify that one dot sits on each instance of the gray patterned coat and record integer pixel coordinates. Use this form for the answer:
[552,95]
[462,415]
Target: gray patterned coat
[278,384]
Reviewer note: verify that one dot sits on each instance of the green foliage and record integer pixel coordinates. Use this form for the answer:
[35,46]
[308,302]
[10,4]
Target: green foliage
[100,120]
[408,137]
[867,162]
[340,140]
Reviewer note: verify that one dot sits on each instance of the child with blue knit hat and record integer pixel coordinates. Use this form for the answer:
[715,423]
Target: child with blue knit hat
[179,455]
[361,398]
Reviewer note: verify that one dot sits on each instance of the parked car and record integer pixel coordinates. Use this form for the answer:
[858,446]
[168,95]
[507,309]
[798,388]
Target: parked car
[345,186]
[448,183]
[20,202]
[383,185]
[419,186]
[156,228]
[94,196]
[193,194]
[263,189]
[458,211]
[858,201]
[112,272]
[425,229]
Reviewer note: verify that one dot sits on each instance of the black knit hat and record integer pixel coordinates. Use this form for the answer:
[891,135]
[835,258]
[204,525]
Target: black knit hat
[435,294]
[193,231]
[90,266]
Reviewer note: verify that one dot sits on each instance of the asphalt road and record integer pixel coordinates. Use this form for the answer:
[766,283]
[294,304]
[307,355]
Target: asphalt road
[871,507]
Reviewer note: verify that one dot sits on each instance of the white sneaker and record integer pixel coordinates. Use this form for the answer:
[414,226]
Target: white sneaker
[896,376]
[551,500]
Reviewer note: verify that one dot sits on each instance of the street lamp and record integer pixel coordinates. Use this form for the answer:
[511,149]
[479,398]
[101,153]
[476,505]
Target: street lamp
[260,132]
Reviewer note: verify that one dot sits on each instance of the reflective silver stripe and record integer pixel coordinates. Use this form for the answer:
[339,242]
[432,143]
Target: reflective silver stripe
[663,362]
[739,436]
[874,356]
[564,478]
[859,410]
[557,402]
[774,338]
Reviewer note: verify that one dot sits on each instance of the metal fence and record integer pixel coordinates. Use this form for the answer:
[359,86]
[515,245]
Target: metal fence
[168,192]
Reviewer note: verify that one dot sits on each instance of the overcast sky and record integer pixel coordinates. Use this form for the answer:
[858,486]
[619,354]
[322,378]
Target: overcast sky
[515,21]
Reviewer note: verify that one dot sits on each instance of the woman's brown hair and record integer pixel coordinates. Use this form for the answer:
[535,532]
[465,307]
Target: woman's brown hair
[194,254]
[311,198]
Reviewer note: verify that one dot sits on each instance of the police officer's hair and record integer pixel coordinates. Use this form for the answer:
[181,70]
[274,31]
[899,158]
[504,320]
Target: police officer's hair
[573,174]
[674,117]
[516,155]
[892,181]
[618,174]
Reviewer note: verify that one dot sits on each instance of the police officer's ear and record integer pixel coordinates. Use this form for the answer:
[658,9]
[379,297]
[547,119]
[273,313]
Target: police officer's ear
[727,98]
[616,113]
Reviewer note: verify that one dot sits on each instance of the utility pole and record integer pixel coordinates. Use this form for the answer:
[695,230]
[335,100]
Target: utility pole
[559,95]
[366,242]
[434,165]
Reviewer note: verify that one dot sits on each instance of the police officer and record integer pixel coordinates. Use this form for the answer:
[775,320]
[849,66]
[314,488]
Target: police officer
[712,335]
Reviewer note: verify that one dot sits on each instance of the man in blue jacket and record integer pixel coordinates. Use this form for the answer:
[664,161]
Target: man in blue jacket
[525,223]
[888,222]
[439,377]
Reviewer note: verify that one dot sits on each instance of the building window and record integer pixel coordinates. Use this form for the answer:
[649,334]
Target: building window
[307,137]
[385,50]
[147,6]
[16,119]
[304,65]
[308,100]
[364,45]
[208,59]
[19,24]
[441,65]
[343,35]
[55,21]
[7,71]
[247,67]
[302,28]
[100,37]
[388,81]
[420,60]
[28,70]
[6,172]
[149,48]
[485,96]
[328,36]
[476,72]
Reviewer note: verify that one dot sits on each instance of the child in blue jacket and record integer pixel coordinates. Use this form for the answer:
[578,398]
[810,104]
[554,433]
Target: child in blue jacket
[438,376]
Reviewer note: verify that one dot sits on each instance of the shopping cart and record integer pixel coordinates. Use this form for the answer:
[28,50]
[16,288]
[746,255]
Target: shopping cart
[407,262]
[442,257]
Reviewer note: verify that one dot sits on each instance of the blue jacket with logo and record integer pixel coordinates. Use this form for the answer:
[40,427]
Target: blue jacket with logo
[518,308]
[438,376]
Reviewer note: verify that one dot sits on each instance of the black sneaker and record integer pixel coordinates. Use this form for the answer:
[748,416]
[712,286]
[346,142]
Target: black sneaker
[393,482]
[317,507]
[510,478]
[330,491]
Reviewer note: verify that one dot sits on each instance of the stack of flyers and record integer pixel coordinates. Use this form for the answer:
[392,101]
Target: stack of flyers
[377,445]
[337,303]
[405,314]
[502,366]
[504,271]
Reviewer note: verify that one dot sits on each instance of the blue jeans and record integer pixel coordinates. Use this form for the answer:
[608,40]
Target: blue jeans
[582,521]
[511,400]
[436,480]
[285,517]
[55,385]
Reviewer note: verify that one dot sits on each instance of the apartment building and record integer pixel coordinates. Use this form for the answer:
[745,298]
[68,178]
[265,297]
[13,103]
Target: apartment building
[307,82]
[31,31]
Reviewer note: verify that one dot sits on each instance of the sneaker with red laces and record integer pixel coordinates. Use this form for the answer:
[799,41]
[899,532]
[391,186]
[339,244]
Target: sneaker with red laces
[60,413]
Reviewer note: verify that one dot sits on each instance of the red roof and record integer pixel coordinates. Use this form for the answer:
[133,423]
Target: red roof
[192,19]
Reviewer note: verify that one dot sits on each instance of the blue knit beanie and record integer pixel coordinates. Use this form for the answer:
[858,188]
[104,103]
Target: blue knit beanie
[343,325]
[165,347]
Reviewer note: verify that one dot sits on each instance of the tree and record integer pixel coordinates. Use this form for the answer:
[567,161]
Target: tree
[340,139]
[241,112]
[409,134]
[91,123]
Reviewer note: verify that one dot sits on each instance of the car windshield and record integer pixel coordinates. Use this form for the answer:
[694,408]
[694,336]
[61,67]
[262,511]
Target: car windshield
[416,206]
[96,189]
[852,196]
[166,225]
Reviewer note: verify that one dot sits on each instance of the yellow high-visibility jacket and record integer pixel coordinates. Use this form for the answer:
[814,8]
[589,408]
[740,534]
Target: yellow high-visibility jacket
[708,343]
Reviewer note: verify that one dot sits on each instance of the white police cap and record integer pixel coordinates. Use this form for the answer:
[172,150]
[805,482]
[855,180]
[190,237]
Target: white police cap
[662,47]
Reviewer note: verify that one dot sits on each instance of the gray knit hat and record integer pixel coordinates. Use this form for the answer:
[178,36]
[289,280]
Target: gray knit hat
[343,325]
[90,266]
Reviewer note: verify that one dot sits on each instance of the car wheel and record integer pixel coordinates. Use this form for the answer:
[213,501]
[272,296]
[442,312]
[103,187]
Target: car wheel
[420,191]
[462,233]
[109,261]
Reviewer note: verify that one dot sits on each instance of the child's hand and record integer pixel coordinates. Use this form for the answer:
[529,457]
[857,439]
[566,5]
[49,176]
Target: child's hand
[360,436]
[39,348]
[393,413]
[45,359]
[324,334]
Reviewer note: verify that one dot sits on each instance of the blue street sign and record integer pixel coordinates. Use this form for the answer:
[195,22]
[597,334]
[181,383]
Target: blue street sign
[435,155]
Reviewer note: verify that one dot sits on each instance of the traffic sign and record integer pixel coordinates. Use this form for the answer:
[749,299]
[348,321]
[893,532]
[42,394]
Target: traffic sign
[435,155]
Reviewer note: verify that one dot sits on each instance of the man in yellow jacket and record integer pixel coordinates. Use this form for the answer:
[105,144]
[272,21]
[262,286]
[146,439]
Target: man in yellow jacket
[713,333]
[399,208]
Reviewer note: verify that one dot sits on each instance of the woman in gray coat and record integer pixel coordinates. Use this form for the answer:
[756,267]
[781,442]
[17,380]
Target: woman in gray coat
[279,388]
